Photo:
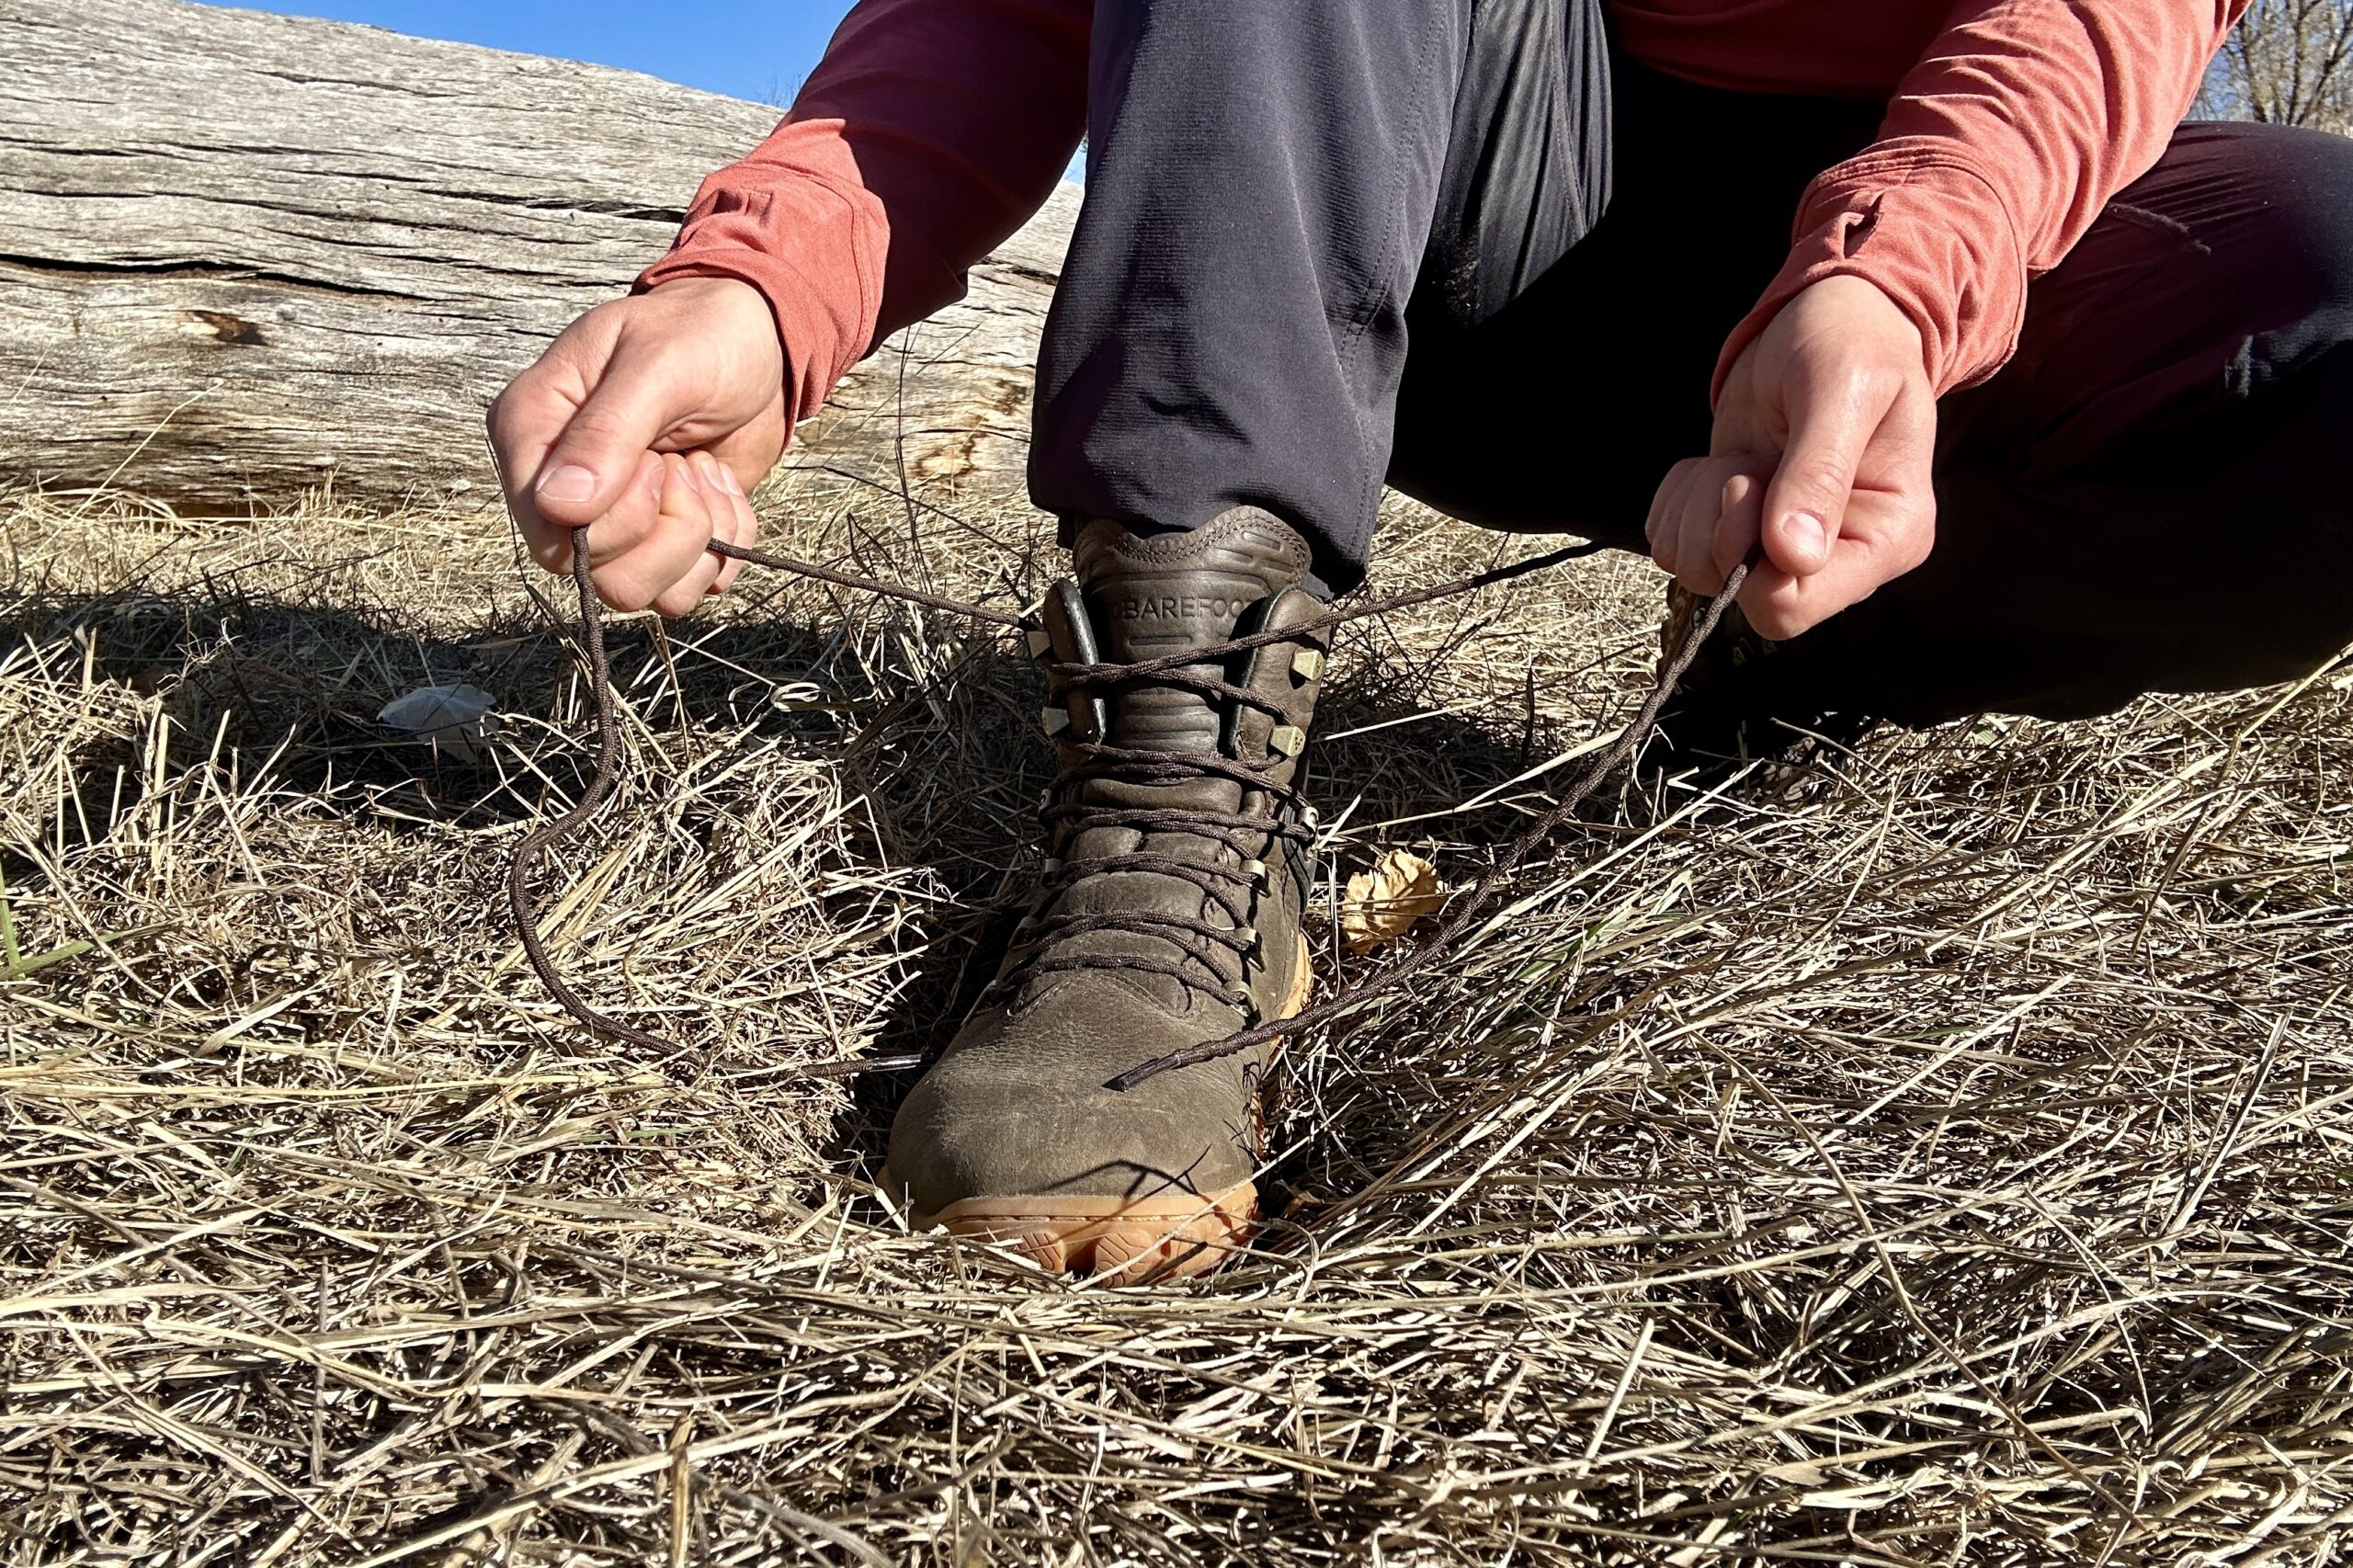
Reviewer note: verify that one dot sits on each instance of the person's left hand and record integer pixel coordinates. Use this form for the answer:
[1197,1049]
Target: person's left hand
[1823,442]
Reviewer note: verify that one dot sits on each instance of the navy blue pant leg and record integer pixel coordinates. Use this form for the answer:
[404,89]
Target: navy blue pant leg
[1266,186]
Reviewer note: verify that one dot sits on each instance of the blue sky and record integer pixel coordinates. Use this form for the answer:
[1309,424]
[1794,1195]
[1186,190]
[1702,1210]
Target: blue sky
[747,49]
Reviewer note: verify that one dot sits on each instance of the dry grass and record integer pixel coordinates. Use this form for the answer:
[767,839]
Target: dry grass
[1940,1157]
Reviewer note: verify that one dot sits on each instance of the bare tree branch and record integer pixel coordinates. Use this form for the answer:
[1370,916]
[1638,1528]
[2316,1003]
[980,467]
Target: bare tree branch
[2289,63]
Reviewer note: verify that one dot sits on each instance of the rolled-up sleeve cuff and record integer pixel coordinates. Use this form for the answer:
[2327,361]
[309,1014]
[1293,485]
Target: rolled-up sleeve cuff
[812,249]
[1931,232]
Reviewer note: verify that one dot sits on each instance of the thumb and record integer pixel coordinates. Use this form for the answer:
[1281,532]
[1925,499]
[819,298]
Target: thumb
[1806,502]
[641,396]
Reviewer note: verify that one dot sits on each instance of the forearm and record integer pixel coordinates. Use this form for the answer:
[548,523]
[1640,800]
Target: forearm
[1999,148]
[930,131]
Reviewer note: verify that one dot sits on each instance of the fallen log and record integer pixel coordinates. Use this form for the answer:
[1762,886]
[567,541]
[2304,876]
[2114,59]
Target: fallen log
[245,255]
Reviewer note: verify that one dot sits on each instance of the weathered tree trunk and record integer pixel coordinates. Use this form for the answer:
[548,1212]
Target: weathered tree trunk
[243,255]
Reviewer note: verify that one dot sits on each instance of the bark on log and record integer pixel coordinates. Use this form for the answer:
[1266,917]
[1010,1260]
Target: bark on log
[243,255]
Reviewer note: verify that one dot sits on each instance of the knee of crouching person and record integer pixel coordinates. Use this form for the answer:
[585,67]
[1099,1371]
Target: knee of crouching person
[2304,241]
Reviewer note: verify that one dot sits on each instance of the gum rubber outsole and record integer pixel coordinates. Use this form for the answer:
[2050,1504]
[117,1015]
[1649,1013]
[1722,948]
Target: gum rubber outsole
[1168,1235]
[1163,1237]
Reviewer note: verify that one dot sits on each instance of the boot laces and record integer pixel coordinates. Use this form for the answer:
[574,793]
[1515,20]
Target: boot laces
[1042,942]
[1290,822]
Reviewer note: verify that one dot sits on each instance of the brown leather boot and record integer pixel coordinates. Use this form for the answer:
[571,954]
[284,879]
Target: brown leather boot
[1168,915]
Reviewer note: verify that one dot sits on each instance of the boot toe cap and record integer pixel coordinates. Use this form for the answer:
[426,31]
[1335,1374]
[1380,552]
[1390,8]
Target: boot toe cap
[971,1128]
[1015,1135]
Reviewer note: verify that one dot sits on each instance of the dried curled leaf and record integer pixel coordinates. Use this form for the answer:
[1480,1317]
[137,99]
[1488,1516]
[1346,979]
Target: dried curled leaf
[1382,904]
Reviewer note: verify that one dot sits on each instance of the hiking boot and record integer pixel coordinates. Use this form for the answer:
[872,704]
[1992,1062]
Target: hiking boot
[1168,915]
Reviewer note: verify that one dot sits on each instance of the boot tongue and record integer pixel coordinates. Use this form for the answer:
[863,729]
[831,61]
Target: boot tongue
[1149,597]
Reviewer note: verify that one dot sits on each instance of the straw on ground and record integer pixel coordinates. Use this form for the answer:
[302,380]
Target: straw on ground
[1940,1154]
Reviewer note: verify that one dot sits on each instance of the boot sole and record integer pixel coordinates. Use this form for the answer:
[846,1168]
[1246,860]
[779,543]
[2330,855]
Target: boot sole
[1171,1236]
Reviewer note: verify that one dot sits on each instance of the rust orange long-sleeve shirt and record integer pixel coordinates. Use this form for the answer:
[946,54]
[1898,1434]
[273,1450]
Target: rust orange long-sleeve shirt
[933,129]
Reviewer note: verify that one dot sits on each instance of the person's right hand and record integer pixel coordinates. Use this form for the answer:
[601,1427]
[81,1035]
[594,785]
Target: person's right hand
[1824,452]
[692,368]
